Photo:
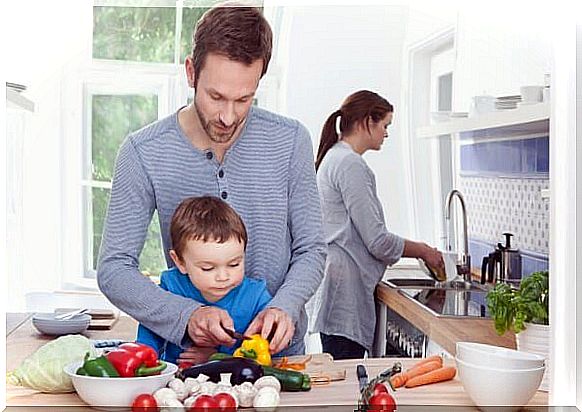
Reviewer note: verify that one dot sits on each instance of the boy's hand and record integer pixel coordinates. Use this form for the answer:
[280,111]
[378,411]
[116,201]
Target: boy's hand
[196,355]
[276,323]
[206,327]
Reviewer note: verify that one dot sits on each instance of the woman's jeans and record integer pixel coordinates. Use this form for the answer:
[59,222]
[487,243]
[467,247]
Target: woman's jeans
[341,348]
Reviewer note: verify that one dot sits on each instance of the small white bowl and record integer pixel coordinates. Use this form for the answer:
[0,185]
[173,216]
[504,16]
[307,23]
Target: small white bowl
[47,324]
[116,392]
[497,357]
[499,387]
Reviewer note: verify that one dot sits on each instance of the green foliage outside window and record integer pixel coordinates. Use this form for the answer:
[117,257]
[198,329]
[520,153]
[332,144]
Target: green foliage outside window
[113,118]
[145,34]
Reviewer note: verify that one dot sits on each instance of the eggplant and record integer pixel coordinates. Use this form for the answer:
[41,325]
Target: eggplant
[241,370]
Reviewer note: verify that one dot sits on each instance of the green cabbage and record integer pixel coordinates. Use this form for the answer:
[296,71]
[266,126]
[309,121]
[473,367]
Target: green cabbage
[43,370]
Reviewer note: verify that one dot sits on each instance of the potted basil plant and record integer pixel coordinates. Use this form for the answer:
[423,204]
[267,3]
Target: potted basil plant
[524,310]
[515,309]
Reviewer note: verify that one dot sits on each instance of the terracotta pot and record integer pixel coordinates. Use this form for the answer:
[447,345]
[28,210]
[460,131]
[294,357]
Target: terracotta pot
[536,339]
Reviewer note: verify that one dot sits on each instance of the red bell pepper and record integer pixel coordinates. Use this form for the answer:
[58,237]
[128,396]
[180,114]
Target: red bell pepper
[145,353]
[128,364]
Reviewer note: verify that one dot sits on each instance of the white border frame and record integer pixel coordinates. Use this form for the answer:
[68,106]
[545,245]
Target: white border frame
[565,222]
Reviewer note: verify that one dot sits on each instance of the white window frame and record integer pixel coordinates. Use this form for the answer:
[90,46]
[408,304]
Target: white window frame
[110,78]
[168,81]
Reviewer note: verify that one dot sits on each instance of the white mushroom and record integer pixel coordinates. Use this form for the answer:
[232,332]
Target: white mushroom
[246,393]
[266,399]
[180,388]
[164,393]
[175,404]
[192,385]
[202,378]
[268,381]
[207,388]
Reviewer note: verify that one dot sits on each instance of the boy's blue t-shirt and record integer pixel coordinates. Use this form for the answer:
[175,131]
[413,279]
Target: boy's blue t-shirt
[242,303]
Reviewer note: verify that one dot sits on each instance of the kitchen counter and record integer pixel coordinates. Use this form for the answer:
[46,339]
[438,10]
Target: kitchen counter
[445,331]
[342,395]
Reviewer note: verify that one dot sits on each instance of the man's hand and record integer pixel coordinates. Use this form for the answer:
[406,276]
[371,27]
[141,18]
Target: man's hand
[276,323]
[196,355]
[206,327]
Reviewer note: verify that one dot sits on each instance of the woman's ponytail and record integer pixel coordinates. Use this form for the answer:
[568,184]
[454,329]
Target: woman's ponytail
[329,137]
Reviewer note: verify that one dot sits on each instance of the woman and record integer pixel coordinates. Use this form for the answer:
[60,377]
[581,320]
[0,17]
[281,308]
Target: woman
[360,246]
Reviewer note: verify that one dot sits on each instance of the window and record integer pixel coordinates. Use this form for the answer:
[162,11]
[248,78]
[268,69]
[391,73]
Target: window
[112,118]
[136,77]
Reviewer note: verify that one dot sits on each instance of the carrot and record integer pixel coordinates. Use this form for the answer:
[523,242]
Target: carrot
[398,380]
[401,378]
[427,360]
[438,375]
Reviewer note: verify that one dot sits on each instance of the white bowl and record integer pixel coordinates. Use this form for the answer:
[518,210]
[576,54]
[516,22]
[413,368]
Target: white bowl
[499,387]
[47,324]
[497,357]
[116,392]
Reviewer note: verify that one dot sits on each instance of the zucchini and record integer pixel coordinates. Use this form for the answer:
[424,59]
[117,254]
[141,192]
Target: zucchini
[291,381]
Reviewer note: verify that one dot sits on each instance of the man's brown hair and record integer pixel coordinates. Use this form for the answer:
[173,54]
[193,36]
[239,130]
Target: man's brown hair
[205,218]
[238,32]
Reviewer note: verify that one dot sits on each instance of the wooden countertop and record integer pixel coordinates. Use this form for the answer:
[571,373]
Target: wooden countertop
[445,331]
[341,395]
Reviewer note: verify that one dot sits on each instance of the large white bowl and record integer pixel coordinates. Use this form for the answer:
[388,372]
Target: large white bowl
[497,357]
[117,392]
[499,387]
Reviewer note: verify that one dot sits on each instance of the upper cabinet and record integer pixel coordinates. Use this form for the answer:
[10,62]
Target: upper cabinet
[525,120]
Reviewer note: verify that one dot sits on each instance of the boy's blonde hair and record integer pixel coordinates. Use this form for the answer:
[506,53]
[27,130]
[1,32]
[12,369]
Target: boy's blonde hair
[205,218]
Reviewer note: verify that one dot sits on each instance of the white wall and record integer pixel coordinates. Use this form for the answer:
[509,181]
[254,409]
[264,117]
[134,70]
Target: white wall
[53,40]
[335,51]
[499,52]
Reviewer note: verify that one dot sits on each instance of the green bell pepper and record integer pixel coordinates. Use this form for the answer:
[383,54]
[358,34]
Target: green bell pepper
[99,367]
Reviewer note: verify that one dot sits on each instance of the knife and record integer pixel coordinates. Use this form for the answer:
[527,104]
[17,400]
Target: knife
[236,335]
[362,376]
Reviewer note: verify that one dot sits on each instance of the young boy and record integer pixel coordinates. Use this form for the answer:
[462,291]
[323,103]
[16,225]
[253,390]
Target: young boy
[209,241]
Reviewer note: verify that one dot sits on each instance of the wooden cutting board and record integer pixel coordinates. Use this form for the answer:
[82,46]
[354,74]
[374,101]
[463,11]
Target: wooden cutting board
[320,366]
[101,319]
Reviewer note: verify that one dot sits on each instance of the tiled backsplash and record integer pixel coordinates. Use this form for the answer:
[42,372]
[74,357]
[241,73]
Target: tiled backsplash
[497,205]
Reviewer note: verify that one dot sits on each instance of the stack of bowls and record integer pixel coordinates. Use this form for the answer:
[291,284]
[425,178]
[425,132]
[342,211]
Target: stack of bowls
[495,376]
[47,324]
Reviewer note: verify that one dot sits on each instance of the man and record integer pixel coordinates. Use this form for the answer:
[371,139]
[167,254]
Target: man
[259,162]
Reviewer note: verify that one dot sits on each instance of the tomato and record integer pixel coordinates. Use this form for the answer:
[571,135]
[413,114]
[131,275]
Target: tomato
[204,403]
[226,403]
[380,388]
[382,402]
[144,403]
[185,365]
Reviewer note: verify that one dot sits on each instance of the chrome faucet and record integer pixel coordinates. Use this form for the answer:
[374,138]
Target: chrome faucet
[464,265]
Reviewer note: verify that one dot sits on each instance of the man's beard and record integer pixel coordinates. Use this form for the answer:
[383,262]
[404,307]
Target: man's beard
[210,128]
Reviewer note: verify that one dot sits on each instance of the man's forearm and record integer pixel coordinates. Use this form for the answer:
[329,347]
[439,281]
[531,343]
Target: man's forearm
[162,312]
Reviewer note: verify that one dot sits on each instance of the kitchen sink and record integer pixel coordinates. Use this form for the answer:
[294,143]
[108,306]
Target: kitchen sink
[407,283]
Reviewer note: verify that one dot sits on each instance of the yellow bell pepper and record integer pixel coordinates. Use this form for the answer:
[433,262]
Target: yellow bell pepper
[256,348]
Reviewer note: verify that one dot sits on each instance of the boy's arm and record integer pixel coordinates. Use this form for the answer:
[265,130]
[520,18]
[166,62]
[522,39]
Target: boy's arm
[146,336]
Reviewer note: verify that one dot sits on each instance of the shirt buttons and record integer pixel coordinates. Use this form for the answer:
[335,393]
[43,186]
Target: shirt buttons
[221,173]
[209,155]
[224,195]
